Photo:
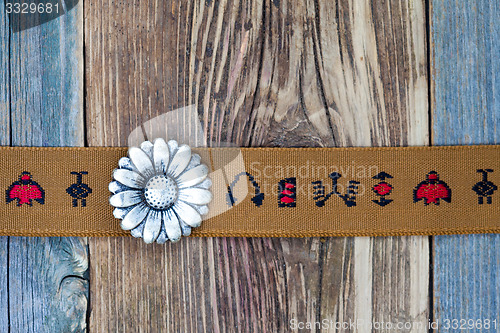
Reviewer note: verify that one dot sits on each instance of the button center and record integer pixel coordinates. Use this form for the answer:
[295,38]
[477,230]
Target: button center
[161,192]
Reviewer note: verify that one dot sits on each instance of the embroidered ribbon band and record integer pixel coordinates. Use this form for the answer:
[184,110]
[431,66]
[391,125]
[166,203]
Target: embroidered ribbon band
[275,192]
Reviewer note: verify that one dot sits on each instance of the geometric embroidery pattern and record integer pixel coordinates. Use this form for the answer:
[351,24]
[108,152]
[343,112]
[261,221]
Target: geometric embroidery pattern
[287,192]
[349,198]
[25,190]
[79,190]
[484,188]
[432,190]
[382,189]
[257,199]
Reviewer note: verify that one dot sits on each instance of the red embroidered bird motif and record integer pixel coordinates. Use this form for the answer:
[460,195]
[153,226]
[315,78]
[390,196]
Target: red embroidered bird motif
[432,190]
[25,190]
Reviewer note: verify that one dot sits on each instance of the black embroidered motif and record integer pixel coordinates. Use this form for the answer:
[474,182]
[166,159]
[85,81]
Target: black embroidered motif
[432,190]
[25,190]
[382,189]
[349,198]
[287,189]
[484,188]
[79,190]
[257,199]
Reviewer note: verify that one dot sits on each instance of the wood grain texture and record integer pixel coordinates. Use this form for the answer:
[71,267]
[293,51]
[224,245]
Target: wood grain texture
[4,140]
[4,78]
[46,278]
[466,110]
[260,73]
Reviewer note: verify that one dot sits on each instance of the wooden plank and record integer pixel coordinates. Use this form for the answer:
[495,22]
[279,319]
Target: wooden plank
[317,73]
[466,110]
[4,140]
[374,85]
[4,78]
[46,278]
[4,285]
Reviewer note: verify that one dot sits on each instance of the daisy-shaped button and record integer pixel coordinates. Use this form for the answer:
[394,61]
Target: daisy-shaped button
[160,191]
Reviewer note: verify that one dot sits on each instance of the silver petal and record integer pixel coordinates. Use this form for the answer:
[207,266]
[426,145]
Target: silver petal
[137,232]
[115,187]
[141,161]
[195,161]
[162,237]
[186,230]
[180,161]
[188,214]
[128,178]
[173,146]
[172,225]
[193,177]
[203,210]
[161,155]
[125,198]
[147,147]
[135,216]
[120,213]
[206,184]
[126,163]
[152,227]
[197,196]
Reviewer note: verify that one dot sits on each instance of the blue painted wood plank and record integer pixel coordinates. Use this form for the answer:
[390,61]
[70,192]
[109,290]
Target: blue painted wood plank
[466,110]
[4,140]
[48,284]
[47,278]
[4,78]
[47,83]
[4,286]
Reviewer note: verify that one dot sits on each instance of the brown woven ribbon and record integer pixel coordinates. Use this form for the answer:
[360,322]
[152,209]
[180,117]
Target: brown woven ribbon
[275,192]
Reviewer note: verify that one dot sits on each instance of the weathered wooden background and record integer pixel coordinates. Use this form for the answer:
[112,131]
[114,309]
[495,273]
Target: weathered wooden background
[260,73]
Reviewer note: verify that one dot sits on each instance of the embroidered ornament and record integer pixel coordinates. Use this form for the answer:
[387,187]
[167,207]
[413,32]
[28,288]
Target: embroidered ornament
[349,197]
[287,189]
[79,190]
[382,189]
[25,190]
[484,188]
[432,190]
[160,191]
[257,199]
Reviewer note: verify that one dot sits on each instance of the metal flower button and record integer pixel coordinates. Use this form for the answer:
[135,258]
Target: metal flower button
[160,191]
